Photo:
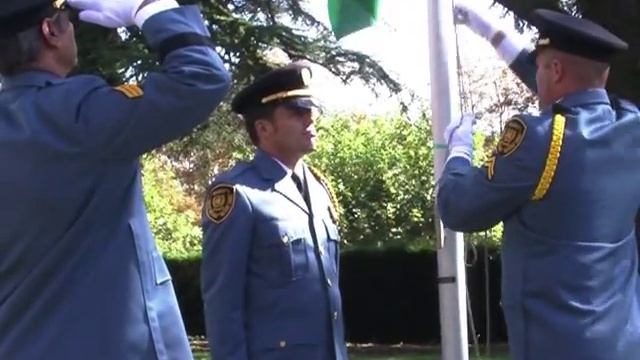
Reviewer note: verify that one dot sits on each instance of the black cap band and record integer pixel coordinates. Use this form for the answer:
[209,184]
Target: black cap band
[19,15]
[576,47]
[576,36]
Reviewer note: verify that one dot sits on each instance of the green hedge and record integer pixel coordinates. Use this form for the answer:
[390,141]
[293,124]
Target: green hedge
[389,296]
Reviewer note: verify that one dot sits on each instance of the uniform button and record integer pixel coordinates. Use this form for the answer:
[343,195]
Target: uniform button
[335,315]
[329,283]
[285,239]
[283,344]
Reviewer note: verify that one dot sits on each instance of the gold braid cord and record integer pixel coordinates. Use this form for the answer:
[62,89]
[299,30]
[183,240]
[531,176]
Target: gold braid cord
[557,136]
[336,209]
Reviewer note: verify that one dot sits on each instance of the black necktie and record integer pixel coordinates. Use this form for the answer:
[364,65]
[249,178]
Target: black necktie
[298,182]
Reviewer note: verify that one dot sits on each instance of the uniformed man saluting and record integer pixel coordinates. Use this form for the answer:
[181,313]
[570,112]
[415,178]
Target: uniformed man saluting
[566,185]
[81,277]
[271,244]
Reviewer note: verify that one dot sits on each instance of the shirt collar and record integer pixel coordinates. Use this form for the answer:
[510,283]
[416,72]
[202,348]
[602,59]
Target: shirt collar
[31,78]
[299,169]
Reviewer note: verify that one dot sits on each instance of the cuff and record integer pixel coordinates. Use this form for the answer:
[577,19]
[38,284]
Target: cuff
[458,163]
[153,8]
[509,48]
[460,152]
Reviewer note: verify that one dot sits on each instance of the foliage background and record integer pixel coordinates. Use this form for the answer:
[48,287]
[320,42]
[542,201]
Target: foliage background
[381,167]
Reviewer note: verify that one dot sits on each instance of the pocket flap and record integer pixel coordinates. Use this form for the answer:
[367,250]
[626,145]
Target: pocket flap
[291,233]
[332,231]
[160,270]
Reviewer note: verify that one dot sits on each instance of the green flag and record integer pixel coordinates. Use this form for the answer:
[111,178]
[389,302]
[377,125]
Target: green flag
[349,16]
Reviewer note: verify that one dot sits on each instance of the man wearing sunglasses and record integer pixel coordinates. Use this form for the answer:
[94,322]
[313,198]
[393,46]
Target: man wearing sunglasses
[80,274]
[271,242]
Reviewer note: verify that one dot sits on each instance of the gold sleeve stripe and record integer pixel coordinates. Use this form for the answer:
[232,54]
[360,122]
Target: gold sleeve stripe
[557,136]
[131,91]
[125,90]
[491,167]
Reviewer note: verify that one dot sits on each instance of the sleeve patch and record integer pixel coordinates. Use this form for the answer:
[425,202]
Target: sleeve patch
[132,91]
[512,137]
[220,202]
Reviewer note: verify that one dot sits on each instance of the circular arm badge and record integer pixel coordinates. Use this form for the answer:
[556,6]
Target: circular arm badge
[512,137]
[510,140]
[220,202]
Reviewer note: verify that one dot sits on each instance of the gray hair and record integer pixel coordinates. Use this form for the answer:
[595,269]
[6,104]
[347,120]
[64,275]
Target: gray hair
[19,50]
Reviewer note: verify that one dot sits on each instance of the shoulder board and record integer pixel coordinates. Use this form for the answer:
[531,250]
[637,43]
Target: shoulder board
[558,108]
[232,173]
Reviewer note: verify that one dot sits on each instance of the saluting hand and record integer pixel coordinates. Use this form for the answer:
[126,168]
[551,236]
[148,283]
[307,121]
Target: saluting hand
[119,13]
[107,13]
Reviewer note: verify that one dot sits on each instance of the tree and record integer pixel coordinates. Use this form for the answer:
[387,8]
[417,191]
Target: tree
[246,32]
[174,216]
[494,93]
[619,16]
[382,172]
[243,30]
[213,147]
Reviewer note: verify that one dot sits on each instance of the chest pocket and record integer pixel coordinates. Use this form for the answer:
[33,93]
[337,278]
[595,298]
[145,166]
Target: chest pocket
[282,251]
[333,242]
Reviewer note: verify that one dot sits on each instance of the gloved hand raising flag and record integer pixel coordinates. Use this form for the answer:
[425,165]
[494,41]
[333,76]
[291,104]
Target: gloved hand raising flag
[349,16]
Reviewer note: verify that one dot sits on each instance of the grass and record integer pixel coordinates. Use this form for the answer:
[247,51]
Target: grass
[381,352]
[416,357]
[205,356]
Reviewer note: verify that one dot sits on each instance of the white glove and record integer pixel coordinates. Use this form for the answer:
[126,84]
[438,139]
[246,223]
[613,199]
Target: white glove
[508,43]
[107,13]
[459,136]
[119,13]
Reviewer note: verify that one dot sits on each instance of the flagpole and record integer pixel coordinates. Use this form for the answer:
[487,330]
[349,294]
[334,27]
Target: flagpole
[445,105]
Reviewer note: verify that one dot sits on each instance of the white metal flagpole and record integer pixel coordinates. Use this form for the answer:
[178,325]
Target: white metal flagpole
[445,104]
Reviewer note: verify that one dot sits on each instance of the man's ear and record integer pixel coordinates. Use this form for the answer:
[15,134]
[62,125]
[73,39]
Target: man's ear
[263,127]
[557,70]
[50,32]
